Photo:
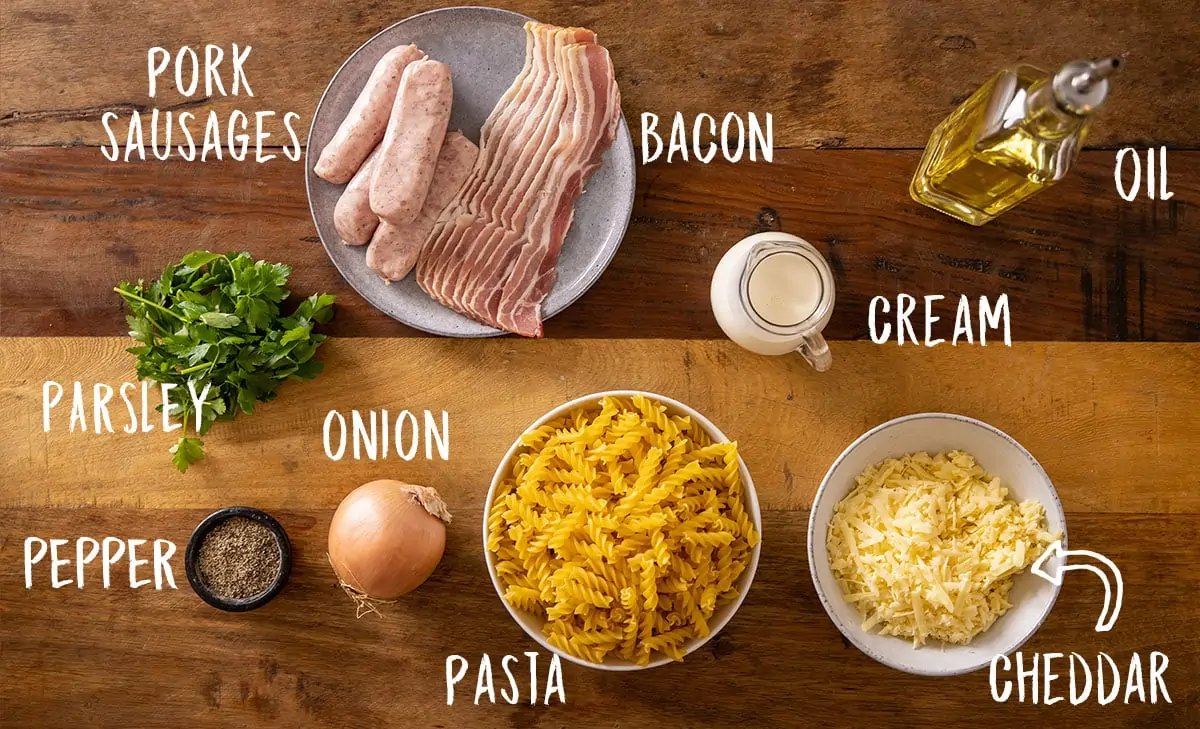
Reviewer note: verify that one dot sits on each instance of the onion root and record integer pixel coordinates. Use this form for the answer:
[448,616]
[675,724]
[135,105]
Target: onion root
[364,604]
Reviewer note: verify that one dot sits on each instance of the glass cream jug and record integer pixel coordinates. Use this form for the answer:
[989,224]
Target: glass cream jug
[773,293]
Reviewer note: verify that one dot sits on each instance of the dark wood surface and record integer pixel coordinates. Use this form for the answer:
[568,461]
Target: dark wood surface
[1077,262]
[835,73]
[79,658]
[855,86]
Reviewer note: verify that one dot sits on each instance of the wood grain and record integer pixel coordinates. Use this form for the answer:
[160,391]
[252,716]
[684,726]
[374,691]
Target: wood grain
[856,73]
[85,657]
[861,80]
[1114,425]
[1077,262]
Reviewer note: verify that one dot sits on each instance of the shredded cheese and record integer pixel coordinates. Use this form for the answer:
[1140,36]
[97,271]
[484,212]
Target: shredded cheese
[926,547]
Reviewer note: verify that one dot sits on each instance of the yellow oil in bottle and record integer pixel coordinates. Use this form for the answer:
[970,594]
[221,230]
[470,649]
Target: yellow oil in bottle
[1016,135]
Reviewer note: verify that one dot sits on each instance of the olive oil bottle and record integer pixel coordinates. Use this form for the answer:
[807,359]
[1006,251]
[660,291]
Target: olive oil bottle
[1018,134]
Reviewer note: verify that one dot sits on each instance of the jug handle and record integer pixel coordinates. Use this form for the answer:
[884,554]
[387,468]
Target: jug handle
[815,349]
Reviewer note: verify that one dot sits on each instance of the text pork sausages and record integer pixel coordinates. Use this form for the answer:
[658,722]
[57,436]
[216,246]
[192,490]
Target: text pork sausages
[395,248]
[409,151]
[367,121]
[352,216]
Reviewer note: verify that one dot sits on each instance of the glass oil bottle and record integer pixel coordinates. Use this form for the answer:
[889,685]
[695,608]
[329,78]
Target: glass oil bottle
[1018,134]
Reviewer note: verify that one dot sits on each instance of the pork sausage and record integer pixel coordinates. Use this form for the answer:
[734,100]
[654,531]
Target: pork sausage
[352,216]
[410,147]
[364,126]
[395,248]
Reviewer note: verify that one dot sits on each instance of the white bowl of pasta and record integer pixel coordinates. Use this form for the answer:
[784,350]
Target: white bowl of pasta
[622,530]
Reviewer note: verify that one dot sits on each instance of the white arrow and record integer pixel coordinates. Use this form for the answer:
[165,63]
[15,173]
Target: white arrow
[1052,565]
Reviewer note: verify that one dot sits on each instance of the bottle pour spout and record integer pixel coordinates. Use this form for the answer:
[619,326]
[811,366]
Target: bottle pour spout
[1096,71]
[1081,87]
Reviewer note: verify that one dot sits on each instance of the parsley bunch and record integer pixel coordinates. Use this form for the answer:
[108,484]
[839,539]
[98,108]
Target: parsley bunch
[215,319]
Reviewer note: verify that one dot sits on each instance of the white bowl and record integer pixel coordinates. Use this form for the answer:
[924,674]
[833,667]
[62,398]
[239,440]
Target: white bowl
[999,455]
[533,624]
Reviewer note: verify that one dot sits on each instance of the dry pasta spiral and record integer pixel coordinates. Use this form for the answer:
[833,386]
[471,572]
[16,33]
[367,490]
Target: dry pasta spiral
[624,526]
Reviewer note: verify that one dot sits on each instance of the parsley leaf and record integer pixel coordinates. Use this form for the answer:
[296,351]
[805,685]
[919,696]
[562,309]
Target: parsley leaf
[220,320]
[186,452]
[215,319]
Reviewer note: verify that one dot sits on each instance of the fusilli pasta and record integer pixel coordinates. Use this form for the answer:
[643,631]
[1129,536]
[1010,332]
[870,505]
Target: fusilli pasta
[623,526]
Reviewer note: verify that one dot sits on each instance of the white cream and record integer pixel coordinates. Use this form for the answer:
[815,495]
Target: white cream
[772,293]
[785,288]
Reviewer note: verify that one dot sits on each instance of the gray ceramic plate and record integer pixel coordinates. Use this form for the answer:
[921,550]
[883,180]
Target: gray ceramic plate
[485,49]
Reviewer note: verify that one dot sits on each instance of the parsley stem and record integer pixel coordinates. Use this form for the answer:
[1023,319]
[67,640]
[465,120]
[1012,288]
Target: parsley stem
[195,368]
[163,309]
[156,325]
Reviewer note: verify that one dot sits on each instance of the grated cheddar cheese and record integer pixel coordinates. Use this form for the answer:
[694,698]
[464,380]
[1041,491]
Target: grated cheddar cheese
[926,547]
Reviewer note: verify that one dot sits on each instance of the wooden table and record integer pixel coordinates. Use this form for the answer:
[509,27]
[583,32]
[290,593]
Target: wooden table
[1101,385]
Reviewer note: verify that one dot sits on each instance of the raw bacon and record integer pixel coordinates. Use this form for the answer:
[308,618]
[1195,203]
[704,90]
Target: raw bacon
[493,252]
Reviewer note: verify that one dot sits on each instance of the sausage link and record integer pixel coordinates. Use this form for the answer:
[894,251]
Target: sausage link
[411,144]
[352,216]
[364,126]
[395,248]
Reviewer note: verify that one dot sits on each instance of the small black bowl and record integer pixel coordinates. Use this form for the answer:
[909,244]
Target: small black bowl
[192,556]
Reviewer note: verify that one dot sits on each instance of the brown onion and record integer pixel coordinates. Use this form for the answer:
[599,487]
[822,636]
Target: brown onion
[386,538]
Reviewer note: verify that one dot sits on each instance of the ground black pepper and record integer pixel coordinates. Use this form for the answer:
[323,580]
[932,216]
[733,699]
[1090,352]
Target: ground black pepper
[239,558]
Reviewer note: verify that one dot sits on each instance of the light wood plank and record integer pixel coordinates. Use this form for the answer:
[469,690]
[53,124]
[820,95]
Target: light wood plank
[1114,424]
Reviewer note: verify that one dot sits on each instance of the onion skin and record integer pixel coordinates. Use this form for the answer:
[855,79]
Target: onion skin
[387,537]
